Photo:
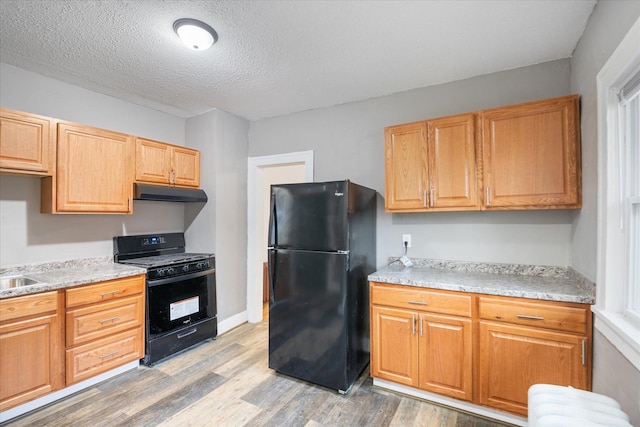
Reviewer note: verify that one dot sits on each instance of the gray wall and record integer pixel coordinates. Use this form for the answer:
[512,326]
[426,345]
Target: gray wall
[27,236]
[221,225]
[613,375]
[347,141]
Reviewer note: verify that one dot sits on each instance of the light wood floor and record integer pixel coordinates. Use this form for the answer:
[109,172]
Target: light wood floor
[227,382]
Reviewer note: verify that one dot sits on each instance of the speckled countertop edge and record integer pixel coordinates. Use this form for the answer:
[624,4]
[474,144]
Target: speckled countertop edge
[64,274]
[516,280]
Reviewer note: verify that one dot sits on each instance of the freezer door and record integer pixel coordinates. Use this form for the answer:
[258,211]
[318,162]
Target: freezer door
[311,216]
[307,316]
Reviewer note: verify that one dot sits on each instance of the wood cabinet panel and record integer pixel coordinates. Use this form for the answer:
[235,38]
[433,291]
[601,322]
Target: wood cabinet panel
[513,358]
[88,360]
[562,316]
[394,349]
[27,143]
[105,291]
[414,298]
[446,363]
[94,170]
[531,155]
[405,160]
[30,348]
[453,181]
[153,161]
[94,321]
[166,164]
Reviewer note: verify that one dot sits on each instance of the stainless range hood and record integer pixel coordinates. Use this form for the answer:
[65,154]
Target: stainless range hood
[168,194]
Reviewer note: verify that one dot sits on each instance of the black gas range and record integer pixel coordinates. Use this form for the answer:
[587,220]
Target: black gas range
[181,292]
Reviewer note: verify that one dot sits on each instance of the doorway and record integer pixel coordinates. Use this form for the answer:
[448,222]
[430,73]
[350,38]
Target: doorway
[263,172]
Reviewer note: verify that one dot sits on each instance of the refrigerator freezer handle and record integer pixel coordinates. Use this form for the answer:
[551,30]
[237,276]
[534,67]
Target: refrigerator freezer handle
[273,223]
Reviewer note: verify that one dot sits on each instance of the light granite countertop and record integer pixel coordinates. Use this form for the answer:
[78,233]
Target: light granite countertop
[514,280]
[64,274]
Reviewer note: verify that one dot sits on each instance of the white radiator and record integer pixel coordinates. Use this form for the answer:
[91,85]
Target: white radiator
[557,406]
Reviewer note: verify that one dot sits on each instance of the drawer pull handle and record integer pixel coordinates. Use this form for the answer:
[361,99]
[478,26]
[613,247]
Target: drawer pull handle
[526,316]
[113,353]
[110,319]
[417,302]
[104,294]
[185,334]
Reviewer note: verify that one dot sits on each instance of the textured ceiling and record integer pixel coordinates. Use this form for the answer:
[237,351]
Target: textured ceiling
[278,57]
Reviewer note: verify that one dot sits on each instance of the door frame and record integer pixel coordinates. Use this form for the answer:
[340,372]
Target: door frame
[254,199]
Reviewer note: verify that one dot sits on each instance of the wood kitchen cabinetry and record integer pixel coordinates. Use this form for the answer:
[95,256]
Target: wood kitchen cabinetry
[486,350]
[27,143]
[422,338]
[431,165]
[30,348]
[524,156]
[104,327]
[525,342]
[531,155]
[161,163]
[94,172]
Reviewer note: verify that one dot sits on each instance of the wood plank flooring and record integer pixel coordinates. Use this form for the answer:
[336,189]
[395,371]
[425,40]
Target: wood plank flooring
[227,382]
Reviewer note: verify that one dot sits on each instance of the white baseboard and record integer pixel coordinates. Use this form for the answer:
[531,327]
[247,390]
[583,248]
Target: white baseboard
[232,322]
[67,391]
[454,403]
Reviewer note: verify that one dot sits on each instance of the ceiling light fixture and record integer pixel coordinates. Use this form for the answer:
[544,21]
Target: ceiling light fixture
[195,34]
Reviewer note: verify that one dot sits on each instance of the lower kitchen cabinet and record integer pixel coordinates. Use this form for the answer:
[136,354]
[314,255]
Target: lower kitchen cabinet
[486,350]
[105,327]
[422,348]
[30,348]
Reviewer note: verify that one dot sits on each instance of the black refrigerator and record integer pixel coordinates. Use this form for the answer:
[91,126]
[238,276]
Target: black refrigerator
[322,247]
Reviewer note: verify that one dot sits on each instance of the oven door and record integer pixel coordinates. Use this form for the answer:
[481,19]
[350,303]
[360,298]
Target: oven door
[177,302]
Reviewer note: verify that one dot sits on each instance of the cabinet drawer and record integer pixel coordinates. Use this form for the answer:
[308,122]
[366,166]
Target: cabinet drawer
[96,321]
[421,299]
[105,291]
[29,305]
[569,317]
[91,359]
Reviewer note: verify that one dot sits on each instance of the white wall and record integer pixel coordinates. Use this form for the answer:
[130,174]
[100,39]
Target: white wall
[613,375]
[26,235]
[347,141]
[221,225]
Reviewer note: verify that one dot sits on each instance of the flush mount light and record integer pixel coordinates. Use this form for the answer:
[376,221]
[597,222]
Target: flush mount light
[195,34]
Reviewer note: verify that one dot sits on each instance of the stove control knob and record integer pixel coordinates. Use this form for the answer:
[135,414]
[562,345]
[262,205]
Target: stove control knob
[203,264]
[185,268]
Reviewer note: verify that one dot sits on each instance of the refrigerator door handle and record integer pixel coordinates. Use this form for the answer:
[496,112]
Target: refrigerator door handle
[272,274]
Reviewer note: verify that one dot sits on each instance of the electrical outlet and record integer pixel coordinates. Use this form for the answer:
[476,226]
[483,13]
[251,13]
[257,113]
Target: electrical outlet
[406,238]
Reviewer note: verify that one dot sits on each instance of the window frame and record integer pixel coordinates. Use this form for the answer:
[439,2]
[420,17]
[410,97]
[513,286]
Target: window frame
[611,317]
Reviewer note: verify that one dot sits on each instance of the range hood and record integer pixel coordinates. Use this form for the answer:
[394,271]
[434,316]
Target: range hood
[168,194]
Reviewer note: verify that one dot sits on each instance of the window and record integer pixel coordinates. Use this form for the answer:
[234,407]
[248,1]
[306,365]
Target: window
[618,282]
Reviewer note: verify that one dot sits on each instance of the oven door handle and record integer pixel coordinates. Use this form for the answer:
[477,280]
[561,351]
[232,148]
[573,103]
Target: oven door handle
[174,279]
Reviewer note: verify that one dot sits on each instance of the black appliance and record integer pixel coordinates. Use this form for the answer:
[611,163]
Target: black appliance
[322,247]
[180,293]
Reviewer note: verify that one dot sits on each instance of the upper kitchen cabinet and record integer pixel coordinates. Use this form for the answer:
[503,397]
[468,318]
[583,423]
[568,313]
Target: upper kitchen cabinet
[431,165]
[161,163]
[531,155]
[94,172]
[27,143]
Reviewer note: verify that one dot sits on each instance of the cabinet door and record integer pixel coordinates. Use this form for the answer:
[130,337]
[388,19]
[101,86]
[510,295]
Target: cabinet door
[153,161]
[94,170]
[513,358]
[405,159]
[452,163]
[30,348]
[394,345]
[531,155]
[186,167]
[446,356]
[26,142]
